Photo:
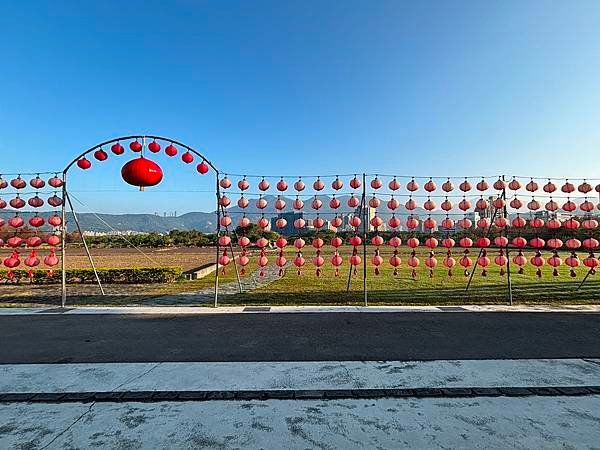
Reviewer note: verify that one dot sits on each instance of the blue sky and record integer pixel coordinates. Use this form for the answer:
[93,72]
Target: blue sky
[426,88]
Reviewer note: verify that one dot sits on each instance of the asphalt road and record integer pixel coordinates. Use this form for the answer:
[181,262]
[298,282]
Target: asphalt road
[297,337]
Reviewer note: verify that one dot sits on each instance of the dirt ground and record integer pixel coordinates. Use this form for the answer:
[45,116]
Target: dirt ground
[186,258]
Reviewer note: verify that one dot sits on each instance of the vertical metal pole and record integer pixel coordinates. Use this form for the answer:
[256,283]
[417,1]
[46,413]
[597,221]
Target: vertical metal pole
[481,249]
[508,281]
[63,252]
[87,250]
[218,194]
[237,273]
[365,219]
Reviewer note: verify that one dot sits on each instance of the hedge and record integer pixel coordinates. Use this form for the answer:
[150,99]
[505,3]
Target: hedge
[137,275]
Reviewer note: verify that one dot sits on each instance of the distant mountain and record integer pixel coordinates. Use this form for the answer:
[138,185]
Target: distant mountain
[201,221]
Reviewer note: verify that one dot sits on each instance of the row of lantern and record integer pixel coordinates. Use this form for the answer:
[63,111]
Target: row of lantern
[413,186]
[32,241]
[411,204]
[431,242]
[136,146]
[33,260]
[412,222]
[483,260]
[35,221]
[35,202]
[36,183]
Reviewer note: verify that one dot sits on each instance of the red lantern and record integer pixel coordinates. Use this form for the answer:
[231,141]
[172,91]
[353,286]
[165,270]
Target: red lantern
[136,146]
[282,185]
[353,201]
[18,183]
[37,183]
[36,221]
[412,242]
[154,147]
[225,182]
[84,163]
[299,185]
[334,203]
[187,157]
[14,242]
[55,201]
[430,186]
[142,172]
[16,222]
[465,186]
[500,184]
[299,223]
[52,240]
[482,185]
[337,184]
[171,150]
[263,185]
[412,185]
[395,242]
[100,155]
[117,149]
[394,222]
[447,223]
[532,186]
[376,183]
[355,183]
[263,223]
[33,241]
[244,222]
[55,182]
[261,203]
[54,220]
[35,202]
[243,202]
[51,260]
[448,186]
[202,168]
[514,185]
[394,185]
[318,185]
[32,260]
[412,223]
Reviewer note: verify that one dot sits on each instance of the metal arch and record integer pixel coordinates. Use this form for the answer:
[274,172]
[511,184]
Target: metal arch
[125,138]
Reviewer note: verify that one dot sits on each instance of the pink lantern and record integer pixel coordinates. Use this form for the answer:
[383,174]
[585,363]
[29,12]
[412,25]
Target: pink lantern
[430,186]
[299,185]
[282,185]
[482,185]
[448,186]
[263,185]
[376,183]
[355,182]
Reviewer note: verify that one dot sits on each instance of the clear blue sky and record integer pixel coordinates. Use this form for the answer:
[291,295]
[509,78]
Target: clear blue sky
[424,87]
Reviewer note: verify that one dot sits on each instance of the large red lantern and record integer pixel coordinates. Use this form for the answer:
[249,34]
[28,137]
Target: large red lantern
[142,172]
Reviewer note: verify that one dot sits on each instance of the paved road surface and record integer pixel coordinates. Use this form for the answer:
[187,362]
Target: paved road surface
[46,338]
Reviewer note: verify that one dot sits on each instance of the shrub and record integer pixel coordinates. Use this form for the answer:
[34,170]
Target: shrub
[137,275]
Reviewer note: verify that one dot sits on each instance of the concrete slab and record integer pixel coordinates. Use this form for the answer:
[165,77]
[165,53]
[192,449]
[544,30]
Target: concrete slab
[516,423]
[296,309]
[101,377]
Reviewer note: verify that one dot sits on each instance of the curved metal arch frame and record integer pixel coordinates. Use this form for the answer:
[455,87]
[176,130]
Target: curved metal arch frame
[143,137]
[140,136]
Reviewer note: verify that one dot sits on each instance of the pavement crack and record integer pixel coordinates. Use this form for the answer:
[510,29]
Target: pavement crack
[137,377]
[86,412]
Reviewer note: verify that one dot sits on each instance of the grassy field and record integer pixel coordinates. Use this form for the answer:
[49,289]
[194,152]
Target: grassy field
[386,288]
[308,289]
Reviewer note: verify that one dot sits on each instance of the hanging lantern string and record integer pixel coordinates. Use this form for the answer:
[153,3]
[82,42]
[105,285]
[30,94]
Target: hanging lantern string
[340,175]
[51,172]
[114,229]
[19,192]
[473,177]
